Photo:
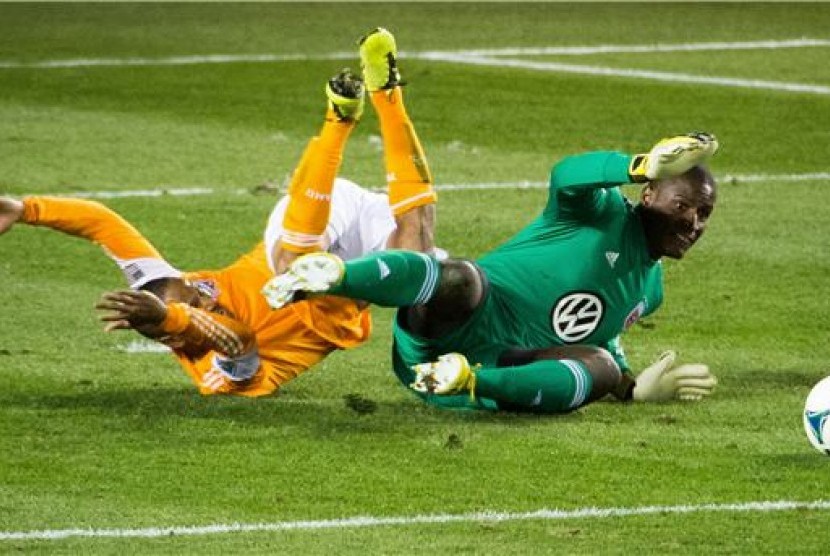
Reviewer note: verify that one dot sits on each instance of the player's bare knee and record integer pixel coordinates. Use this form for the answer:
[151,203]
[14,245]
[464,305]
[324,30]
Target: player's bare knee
[415,230]
[604,371]
[461,286]
[282,258]
[459,293]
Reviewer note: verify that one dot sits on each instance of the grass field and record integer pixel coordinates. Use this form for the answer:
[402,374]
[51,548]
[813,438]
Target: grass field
[119,447]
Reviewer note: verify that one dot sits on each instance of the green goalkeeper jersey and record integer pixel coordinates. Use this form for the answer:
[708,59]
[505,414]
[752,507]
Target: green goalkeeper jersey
[580,273]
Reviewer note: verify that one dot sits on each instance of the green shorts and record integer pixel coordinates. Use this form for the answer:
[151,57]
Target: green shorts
[482,340]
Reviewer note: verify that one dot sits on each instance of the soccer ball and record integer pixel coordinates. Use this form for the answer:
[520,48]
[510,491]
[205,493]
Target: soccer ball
[817,416]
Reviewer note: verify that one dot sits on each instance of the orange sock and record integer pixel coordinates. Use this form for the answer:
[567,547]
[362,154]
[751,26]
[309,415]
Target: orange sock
[407,172]
[309,205]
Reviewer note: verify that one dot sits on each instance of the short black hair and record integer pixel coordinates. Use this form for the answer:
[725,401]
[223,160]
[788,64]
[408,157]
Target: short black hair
[696,175]
[701,175]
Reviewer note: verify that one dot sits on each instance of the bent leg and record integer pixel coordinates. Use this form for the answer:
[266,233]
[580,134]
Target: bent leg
[441,295]
[552,380]
[309,193]
[459,293]
[411,195]
[415,230]
[555,380]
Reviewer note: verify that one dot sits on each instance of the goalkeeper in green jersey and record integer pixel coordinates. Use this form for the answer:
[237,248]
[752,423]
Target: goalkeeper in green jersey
[534,325]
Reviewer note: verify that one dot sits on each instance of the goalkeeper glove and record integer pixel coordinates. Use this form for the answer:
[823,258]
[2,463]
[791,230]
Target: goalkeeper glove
[673,156]
[661,382]
[451,374]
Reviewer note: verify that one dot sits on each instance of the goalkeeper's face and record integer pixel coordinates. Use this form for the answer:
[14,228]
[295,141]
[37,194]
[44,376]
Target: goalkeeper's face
[675,212]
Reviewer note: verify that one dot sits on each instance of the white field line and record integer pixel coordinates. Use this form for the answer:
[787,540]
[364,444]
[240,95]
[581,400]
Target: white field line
[664,76]
[174,60]
[638,48]
[154,192]
[143,346]
[205,190]
[475,57]
[370,521]
[755,178]
[803,42]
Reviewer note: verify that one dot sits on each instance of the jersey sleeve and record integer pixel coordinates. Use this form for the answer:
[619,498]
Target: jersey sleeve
[195,332]
[135,255]
[580,184]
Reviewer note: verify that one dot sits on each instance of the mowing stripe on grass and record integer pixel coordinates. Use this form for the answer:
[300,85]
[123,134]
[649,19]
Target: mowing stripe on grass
[370,521]
[204,190]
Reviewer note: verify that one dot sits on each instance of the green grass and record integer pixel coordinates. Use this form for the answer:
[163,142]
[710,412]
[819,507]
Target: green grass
[92,437]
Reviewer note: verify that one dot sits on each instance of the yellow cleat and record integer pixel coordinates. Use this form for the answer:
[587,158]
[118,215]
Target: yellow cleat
[378,59]
[345,95]
[451,374]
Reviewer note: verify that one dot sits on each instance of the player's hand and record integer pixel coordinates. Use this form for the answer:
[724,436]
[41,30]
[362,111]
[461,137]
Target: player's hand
[137,310]
[11,210]
[663,382]
[673,156]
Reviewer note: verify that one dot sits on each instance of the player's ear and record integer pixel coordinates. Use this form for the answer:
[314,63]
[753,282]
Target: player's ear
[647,194]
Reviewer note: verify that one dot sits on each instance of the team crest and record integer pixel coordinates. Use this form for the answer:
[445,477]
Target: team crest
[576,315]
[207,288]
[635,314]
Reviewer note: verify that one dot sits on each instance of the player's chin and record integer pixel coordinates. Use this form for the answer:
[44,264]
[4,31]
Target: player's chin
[675,251]
[675,247]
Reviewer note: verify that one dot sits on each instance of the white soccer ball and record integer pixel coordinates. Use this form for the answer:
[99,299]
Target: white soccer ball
[817,416]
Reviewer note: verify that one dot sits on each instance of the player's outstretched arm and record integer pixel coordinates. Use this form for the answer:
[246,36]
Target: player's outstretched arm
[603,169]
[663,381]
[10,212]
[183,327]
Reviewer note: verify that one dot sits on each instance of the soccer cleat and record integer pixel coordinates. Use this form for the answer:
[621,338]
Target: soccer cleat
[313,273]
[451,374]
[378,60]
[345,95]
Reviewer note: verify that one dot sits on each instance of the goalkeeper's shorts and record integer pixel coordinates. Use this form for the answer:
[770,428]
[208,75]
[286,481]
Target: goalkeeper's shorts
[482,339]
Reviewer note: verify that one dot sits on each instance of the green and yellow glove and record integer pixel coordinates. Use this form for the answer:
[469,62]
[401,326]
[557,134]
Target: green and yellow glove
[673,156]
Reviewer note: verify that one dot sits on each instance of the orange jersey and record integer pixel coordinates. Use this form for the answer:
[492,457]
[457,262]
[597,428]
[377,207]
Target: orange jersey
[287,341]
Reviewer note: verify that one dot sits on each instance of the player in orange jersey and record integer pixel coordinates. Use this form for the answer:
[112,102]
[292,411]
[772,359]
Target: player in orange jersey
[217,322]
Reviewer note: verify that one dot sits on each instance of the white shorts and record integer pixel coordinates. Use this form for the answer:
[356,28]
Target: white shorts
[360,222]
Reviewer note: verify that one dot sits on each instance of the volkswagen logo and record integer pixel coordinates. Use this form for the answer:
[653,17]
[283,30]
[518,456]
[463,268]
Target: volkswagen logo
[576,315]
